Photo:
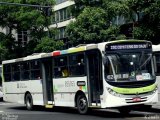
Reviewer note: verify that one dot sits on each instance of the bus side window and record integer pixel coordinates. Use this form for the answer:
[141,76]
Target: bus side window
[65,72]
[77,64]
[35,70]
[158,63]
[57,72]
[25,71]
[61,67]
[16,72]
[7,73]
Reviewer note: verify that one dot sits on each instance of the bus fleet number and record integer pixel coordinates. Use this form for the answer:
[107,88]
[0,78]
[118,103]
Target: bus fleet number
[69,84]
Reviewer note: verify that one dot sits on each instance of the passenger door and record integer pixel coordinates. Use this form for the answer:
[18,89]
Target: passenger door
[94,76]
[47,80]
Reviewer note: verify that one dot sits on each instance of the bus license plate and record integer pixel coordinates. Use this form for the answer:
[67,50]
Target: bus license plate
[137,99]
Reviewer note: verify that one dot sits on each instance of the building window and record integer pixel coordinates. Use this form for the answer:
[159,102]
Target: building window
[60,1]
[57,16]
[61,33]
[62,15]
[22,37]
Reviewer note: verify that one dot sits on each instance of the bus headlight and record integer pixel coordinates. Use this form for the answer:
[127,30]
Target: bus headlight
[156,88]
[113,92]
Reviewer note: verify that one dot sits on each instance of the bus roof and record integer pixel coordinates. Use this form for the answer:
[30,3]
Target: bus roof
[30,57]
[54,53]
[67,51]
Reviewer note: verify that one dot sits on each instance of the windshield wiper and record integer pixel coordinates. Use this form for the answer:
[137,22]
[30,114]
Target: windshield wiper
[146,61]
[142,56]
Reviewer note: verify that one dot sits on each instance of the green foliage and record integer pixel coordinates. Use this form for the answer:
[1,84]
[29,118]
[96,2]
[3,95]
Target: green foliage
[3,52]
[81,4]
[142,17]
[89,26]
[34,19]
[143,33]
[49,45]
[29,48]
[94,21]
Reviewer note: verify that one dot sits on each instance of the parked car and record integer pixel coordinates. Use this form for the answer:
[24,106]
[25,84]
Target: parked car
[1,94]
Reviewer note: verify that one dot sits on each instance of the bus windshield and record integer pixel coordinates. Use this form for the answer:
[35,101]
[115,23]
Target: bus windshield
[129,67]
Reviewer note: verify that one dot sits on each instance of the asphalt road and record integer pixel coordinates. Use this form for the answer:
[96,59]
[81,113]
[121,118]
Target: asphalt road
[12,111]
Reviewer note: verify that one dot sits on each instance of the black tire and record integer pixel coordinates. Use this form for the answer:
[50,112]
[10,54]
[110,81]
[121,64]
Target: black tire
[124,110]
[82,104]
[29,102]
[1,99]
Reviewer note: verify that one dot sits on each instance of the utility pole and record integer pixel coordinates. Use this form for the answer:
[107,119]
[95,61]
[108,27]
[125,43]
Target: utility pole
[47,9]
[29,5]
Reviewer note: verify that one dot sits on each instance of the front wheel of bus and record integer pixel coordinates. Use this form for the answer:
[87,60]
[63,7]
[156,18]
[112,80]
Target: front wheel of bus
[82,104]
[29,102]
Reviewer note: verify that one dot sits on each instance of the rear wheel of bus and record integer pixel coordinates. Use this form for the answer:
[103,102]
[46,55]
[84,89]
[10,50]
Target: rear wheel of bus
[29,101]
[82,104]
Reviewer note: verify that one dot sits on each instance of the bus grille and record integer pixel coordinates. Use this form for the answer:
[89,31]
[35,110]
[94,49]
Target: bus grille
[136,100]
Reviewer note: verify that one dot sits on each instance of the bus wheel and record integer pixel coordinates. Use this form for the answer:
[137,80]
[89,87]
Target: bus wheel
[124,110]
[29,102]
[82,104]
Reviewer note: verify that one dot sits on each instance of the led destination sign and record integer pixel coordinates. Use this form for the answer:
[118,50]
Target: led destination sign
[121,47]
[128,46]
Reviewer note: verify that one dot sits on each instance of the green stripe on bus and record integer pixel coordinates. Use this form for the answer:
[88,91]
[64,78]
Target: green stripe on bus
[55,89]
[134,90]
[84,88]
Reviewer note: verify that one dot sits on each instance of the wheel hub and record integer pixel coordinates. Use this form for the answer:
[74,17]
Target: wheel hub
[82,103]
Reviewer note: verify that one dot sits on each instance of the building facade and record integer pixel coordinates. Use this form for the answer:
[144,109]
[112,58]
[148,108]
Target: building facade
[62,17]
[21,36]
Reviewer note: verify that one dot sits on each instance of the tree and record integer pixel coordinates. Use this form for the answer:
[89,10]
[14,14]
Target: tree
[81,4]
[88,26]
[149,26]
[3,52]
[142,14]
[141,17]
[34,19]
[48,45]
[93,24]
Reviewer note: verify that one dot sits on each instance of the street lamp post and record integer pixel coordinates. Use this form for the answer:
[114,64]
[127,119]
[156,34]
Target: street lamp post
[29,5]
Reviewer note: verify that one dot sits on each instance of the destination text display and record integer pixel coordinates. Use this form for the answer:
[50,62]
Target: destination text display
[121,47]
[127,46]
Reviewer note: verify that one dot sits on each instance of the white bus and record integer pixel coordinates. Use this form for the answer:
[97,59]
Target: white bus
[117,74]
[156,53]
[1,92]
